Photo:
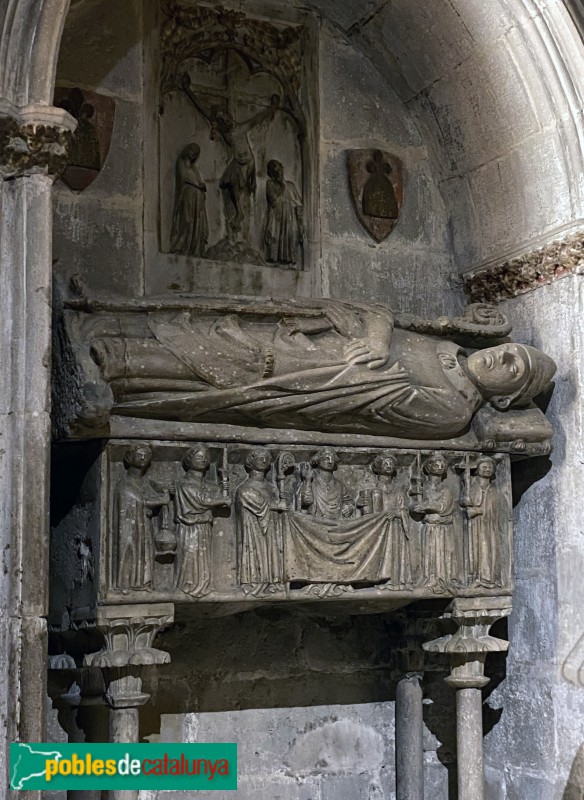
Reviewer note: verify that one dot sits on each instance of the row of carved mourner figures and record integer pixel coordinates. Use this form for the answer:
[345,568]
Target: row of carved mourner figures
[309,525]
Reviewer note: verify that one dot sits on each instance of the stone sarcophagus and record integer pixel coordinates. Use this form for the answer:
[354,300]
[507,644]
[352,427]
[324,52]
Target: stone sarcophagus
[227,453]
[238,451]
[218,523]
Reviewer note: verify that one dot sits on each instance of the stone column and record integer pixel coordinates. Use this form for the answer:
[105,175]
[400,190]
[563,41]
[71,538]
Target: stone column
[467,649]
[409,738]
[84,723]
[33,150]
[411,663]
[128,631]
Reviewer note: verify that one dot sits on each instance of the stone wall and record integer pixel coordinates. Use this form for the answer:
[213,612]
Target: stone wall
[540,734]
[98,233]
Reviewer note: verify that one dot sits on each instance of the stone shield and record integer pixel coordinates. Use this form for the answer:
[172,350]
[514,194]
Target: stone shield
[92,138]
[376,187]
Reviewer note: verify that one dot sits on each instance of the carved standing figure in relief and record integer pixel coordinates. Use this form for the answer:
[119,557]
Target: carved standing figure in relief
[284,224]
[388,498]
[194,501]
[259,557]
[190,229]
[321,492]
[435,508]
[238,182]
[134,502]
[481,502]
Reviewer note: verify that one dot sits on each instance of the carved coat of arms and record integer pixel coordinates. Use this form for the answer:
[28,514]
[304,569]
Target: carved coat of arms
[376,186]
[92,138]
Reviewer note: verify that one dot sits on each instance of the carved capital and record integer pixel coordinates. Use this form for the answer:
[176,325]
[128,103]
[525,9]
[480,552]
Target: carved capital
[34,141]
[128,633]
[409,656]
[515,276]
[468,645]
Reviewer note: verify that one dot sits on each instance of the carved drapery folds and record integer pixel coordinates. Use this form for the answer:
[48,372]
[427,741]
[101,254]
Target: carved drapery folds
[319,364]
[218,521]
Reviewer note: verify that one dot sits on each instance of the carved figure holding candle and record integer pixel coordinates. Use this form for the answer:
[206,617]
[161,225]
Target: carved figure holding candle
[194,502]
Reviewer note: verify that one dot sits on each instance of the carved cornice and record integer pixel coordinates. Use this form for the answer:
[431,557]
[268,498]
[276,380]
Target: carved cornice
[539,267]
[34,141]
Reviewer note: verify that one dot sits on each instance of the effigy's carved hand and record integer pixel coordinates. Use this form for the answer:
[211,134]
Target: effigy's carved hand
[372,352]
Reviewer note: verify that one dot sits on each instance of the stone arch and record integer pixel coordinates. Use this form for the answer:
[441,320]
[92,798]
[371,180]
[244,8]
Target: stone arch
[550,65]
[29,47]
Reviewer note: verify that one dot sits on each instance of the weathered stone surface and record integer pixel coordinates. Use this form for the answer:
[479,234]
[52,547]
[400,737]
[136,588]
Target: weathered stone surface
[82,247]
[347,787]
[337,746]
[431,42]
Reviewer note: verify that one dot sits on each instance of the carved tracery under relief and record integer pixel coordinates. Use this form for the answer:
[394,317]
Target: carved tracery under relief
[235,133]
[271,523]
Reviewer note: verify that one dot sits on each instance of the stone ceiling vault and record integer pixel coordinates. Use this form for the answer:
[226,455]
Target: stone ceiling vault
[495,86]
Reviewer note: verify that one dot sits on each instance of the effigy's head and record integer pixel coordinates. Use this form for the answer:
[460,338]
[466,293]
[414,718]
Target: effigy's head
[384,465]
[510,375]
[486,467]
[325,458]
[138,456]
[436,464]
[196,458]
[260,459]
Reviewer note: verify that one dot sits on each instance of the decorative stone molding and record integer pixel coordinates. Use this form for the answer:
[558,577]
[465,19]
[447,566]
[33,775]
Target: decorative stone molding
[468,646]
[529,271]
[34,140]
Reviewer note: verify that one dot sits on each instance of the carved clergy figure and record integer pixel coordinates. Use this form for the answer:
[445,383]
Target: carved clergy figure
[259,559]
[318,365]
[190,230]
[284,225]
[134,502]
[389,498]
[480,499]
[321,492]
[194,501]
[435,508]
